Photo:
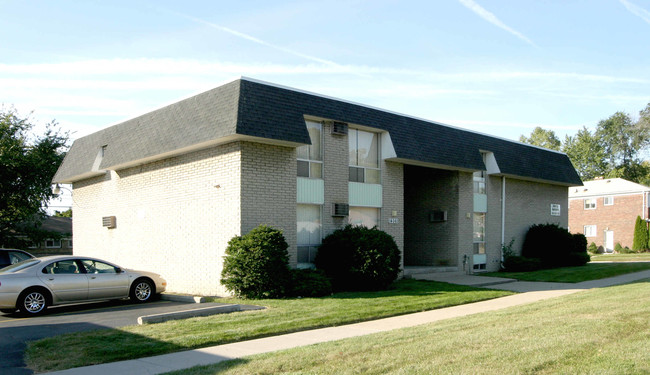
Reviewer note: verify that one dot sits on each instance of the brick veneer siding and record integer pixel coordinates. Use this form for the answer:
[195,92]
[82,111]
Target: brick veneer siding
[174,217]
[268,190]
[619,217]
[426,190]
[393,202]
[335,177]
[529,203]
[434,244]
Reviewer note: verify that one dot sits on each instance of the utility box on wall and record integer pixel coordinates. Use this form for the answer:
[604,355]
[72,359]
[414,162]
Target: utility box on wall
[109,222]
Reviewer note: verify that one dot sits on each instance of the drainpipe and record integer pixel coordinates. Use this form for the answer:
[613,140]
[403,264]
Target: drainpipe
[503,214]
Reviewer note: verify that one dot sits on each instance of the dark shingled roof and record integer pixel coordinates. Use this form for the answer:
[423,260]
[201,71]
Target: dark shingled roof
[250,108]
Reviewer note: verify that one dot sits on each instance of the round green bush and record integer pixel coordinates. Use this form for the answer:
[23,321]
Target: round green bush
[359,258]
[256,264]
[555,246]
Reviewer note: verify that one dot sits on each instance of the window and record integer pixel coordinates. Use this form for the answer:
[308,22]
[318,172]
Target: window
[309,232]
[479,241]
[310,157]
[53,244]
[555,210]
[93,266]
[590,204]
[590,230]
[365,216]
[64,266]
[608,201]
[17,256]
[364,156]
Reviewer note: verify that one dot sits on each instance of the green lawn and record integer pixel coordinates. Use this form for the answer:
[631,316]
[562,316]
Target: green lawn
[590,271]
[641,257]
[282,316]
[600,331]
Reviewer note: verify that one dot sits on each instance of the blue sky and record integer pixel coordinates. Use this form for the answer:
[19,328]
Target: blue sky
[498,67]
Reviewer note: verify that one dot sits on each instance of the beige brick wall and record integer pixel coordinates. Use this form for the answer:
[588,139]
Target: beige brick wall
[529,203]
[393,203]
[619,218]
[268,190]
[426,190]
[174,217]
[335,177]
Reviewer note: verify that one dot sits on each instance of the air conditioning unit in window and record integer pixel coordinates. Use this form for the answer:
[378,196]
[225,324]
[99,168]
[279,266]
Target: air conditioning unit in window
[109,222]
[437,216]
[340,209]
[340,128]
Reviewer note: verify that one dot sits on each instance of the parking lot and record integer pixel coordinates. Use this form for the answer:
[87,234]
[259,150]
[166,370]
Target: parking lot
[16,330]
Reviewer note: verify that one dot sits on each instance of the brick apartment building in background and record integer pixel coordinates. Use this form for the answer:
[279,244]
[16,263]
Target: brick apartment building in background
[605,211]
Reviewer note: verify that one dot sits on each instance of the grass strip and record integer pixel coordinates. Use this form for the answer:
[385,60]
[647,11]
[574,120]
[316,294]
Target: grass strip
[282,316]
[640,257]
[600,331]
[590,271]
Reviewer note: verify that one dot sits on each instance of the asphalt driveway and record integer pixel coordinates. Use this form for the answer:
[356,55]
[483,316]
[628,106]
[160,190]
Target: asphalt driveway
[16,331]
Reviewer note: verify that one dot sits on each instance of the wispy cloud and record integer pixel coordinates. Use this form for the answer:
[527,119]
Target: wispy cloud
[251,38]
[491,18]
[636,10]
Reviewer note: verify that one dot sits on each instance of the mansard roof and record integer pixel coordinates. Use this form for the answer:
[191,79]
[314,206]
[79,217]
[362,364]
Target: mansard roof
[247,109]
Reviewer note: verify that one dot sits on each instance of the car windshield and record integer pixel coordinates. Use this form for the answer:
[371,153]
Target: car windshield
[20,265]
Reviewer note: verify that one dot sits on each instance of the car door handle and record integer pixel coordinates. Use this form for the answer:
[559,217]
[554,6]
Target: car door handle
[93,277]
[51,279]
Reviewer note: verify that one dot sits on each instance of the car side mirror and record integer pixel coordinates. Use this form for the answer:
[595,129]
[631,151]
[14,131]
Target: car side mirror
[118,270]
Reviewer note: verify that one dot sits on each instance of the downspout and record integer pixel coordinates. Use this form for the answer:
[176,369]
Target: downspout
[503,214]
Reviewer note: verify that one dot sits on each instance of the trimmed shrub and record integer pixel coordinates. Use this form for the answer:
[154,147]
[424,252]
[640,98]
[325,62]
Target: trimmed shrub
[359,258]
[309,283]
[579,243]
[627,250]
[256,264]
[618,248]
[517,263]
[640,241]
[576,259]
[593,248]
[555,246]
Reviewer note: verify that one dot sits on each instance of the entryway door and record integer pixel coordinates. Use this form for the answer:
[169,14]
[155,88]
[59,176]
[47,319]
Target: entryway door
[609,241]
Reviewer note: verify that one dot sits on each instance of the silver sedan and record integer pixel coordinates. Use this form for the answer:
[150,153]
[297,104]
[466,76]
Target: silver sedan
[34,284]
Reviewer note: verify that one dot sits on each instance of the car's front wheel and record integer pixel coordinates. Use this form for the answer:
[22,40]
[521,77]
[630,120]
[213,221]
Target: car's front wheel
[142,291]
[32,302]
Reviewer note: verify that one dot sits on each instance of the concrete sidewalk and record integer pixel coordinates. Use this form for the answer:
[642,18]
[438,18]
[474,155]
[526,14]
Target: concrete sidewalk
[182,360]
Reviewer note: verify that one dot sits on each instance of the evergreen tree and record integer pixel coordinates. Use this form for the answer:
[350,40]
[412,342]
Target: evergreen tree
[640,241]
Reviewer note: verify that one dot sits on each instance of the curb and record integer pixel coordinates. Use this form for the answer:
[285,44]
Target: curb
[182,298]
[206,311]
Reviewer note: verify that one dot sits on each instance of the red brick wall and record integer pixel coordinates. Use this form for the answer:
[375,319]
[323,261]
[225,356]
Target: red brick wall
[620,218]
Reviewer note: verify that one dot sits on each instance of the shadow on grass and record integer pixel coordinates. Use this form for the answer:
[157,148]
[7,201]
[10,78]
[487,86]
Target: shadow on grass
[407,287]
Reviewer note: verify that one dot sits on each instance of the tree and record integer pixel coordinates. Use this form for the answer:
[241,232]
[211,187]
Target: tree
[623,141]
[66,213]
[28,163]
[542,138]
[586,153]
[640,241]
